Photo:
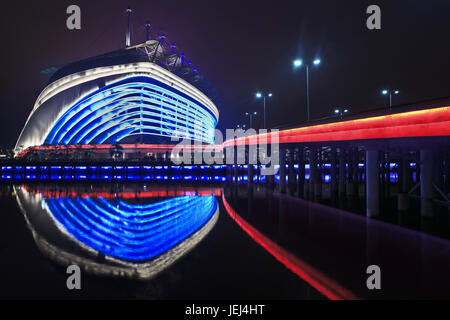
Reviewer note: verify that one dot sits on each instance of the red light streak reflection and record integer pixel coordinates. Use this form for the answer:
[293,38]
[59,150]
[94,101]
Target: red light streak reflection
[155,192]
[315,278]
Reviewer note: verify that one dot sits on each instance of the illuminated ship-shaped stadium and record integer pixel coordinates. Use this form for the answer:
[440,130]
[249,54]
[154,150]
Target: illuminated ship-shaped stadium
[131,233]
[139,95]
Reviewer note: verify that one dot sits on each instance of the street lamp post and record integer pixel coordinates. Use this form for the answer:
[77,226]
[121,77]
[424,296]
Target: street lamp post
[340,112]
[298,63]
[259,95]
[386,92]
[251,114]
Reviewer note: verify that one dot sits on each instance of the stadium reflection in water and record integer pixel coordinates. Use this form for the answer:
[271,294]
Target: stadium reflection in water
[126,234]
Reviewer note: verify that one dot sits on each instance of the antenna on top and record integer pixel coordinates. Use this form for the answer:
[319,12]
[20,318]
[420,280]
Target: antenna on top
[128,36]
[147,30]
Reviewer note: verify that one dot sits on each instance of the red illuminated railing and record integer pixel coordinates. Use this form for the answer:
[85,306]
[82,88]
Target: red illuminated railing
[422,123]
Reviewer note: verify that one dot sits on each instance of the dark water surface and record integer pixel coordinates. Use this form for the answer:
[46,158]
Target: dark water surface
[208,256]
[205,242]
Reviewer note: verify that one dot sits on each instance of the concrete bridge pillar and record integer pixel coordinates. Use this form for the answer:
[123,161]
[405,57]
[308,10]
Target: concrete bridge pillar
[356,171]
[282,171]
[250,173]
[318,183]
[403,181]
[236,169]
[300,172]
[270,181]
[439,169]
[349,184]
[372,183]
[388,176]
[426,182]
[292,177]
[315,174]
[352,179]
[447,177]
[229,171]
[333,173]
[447,172]
[342,171]
[382,162]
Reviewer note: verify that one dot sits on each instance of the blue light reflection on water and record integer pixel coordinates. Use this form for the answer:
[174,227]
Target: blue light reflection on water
[148,173]
[133,232]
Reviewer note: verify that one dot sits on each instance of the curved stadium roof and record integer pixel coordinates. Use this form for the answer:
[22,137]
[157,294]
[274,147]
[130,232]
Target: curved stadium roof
[149,51]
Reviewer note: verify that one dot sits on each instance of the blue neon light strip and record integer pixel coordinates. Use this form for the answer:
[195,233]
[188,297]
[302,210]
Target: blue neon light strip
[135,106]
[130,231]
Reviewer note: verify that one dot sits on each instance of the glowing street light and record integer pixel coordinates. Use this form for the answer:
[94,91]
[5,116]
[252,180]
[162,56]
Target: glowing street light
[386,92]
[298,63]
[340,112]
[259,95]
[251,114]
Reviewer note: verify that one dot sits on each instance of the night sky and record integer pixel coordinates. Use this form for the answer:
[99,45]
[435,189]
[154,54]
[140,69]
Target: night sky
[242,47]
